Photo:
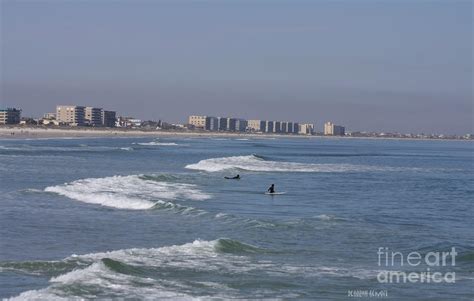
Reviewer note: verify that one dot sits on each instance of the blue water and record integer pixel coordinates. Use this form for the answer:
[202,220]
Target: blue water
[154,218]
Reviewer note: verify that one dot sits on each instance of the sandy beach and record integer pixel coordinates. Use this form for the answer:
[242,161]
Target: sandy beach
[36,132]
[19,132]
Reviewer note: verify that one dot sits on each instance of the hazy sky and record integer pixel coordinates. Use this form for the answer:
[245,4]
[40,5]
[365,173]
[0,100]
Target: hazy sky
[369,65]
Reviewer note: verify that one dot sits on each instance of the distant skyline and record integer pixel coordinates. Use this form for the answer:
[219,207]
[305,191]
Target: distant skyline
[401,66]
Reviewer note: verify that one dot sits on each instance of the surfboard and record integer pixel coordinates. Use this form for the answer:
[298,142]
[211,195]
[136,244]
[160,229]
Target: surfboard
[275,193]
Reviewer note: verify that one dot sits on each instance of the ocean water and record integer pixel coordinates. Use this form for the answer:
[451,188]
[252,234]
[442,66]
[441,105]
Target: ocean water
[146,218]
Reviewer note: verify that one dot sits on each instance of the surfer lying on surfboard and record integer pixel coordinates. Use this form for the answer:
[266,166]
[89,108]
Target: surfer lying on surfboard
[237,177]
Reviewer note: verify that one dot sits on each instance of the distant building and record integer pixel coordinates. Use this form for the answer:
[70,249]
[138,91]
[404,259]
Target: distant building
[277,127]
[71,115]
[198,122]
[49,116]
[223,121]
[231,124]
[331,129]
[45,121]
[296,128]
[284,127]
[290,128]
[212,124]
[306,129]
[93,116]
[127,122]
[10,116]
[255,125]
[108,118]
[269,126]
[240,125]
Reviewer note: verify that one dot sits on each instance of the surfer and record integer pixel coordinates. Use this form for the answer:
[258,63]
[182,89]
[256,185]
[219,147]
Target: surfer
[271,189]
[237,177]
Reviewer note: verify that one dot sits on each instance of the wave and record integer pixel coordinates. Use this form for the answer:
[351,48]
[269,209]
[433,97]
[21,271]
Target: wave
[256,163]
[127,192]
[177,271]
[141,273]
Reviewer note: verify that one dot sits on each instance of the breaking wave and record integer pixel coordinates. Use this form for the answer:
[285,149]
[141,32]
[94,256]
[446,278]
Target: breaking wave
[175,272]
[256,163]
[137,192]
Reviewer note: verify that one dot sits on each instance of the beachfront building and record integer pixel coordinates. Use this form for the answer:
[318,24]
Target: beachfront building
[71,115]
[108,118]
[128,122]
[212,124]
[254,125]
[93,116]
[284,127]
[223,121]
[306,129]
[197,121]
[10,116]
[277,127]
[231,122]
[240,125]
[296,128]
[330,129]
[269,126]
[49,116]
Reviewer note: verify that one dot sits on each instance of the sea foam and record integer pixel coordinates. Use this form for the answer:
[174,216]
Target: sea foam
[154,143]
[127,192]
[255,163]
[175,272]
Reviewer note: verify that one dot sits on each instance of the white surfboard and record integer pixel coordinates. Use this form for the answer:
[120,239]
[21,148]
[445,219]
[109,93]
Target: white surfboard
[275,193]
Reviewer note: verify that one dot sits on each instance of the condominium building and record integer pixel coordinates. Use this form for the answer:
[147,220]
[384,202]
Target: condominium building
[296,128]
[330,129]
[93,116]
[10,116]
[197,121]
[269,126]
[72,115]
[108,118]
[306,129]
[231,124]
[223,121]
[284,127]
[277,127]
[240,125]
[255,125]
[212,124]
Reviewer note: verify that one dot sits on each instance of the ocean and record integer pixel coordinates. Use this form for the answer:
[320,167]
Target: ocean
[151,218]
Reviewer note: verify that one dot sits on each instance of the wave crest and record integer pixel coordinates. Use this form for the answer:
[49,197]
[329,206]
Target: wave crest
[127,192]
[257,163]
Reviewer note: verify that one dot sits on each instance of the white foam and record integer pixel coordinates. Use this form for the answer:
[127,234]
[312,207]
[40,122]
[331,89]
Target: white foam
[154,143]
[254,163]
[326,217]
[126,192]
[194,258]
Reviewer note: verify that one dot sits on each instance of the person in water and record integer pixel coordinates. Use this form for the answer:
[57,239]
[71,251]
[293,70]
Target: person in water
[271,189]
[237,177]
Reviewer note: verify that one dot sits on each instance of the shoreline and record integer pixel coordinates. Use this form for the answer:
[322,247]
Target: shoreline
[18,132]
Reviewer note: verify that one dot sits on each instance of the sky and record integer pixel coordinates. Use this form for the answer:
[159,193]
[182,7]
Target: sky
[377,65]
